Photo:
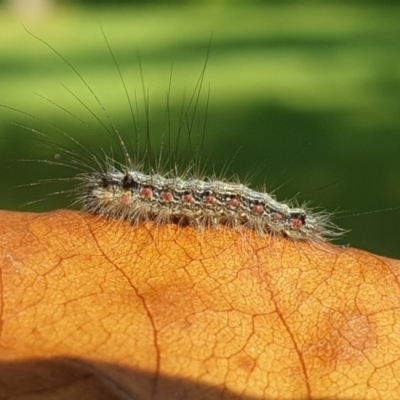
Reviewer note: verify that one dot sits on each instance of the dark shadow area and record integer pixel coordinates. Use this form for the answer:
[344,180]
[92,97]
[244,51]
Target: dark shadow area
[72,378]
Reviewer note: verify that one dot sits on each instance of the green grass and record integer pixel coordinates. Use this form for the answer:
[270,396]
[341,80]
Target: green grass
[310,95]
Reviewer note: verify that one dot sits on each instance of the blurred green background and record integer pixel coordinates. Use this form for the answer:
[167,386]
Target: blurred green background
[306,95]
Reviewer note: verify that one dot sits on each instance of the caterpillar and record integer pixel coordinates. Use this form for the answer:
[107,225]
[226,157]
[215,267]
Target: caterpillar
[135,196]
[129,192]
[124,193]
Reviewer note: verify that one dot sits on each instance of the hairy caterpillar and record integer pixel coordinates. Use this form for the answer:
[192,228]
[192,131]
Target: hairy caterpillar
[231,221]
[123,192]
